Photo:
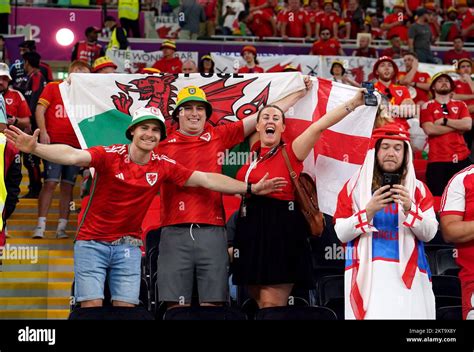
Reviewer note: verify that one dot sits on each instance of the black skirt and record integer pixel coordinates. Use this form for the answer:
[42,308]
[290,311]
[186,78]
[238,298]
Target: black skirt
[271,245]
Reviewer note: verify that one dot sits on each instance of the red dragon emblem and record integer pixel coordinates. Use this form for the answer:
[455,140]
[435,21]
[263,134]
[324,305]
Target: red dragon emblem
[160,92]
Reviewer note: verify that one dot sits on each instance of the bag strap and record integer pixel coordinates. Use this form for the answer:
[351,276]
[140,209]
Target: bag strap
[293,174]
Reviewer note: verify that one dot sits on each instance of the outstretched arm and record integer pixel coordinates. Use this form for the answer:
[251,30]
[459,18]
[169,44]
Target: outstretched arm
[225,184]
[285,103]
[305,142]
[56,153]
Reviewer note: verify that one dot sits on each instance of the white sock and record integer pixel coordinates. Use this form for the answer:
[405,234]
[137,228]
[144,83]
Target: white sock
[62,224]
[42,222]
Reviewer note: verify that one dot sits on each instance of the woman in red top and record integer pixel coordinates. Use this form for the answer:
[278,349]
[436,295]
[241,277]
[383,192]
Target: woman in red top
[249,53]
[271,250]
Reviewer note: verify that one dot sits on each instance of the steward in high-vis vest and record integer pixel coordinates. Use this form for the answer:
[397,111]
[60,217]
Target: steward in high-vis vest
[129,14]
[118,37]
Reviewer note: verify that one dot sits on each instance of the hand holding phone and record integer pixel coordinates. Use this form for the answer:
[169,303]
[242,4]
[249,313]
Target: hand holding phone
[369,98]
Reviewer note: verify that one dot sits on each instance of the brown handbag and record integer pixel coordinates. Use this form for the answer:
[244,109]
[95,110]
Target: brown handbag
[306,197]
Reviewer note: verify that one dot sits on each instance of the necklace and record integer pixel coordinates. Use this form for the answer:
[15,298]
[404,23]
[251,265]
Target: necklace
[189,134]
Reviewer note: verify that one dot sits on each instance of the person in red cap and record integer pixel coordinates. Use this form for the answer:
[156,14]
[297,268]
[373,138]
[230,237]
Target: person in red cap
[386,70]
[168,63]
[384,215]
[249,53]
[444,121]
[104,65]
[419,81]
[464,91]
[88,50]
[456,217]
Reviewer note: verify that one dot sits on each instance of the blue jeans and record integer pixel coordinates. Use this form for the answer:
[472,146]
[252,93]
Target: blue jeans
[94,261]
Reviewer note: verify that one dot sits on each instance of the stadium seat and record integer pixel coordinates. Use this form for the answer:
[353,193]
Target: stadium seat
[331,294]
[449,313]
[430,251]
[447,290]
[295,313]
[111,313]
[204,313]
[445,262]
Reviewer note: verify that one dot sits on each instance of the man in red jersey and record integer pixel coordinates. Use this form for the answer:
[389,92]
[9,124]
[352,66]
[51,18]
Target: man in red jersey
[465,91]
[386,71]
[55,128]
[168,63]
[127,178]
[18,112]
[193,238]
[445,120]
[457,225]
[420,81]
[326,45]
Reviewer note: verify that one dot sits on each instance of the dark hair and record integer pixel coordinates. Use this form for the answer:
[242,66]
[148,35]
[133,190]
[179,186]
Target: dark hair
[201,66]
[33,58]
[378,171]
[412,53]
[242,16]
[458,37]
[271,106]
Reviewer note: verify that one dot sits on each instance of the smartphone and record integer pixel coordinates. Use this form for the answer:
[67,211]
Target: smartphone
[390,179]
[369,98]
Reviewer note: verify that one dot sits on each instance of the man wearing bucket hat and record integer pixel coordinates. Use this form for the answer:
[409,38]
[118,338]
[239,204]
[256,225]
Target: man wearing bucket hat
[444,121]
[168,63]
[127,178]
[386,70]
[104,64]
[193,237]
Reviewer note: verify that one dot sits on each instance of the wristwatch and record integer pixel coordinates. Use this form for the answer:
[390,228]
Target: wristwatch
[249,188]
[445,121]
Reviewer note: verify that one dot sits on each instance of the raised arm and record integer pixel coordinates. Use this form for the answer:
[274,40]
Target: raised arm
[225,184]
[56,153]
[284,104]
[305,142]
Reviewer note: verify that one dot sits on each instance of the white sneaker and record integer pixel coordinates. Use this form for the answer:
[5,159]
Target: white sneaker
[39,233]
[61,234]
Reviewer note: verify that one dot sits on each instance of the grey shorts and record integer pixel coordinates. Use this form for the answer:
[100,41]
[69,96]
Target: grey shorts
[188,249]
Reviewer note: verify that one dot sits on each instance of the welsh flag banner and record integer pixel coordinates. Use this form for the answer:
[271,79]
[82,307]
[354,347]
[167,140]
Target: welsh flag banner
[99,107]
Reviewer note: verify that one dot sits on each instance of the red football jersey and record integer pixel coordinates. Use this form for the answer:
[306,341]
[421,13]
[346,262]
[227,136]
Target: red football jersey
[16,104]
[449,147]
[122,191]
[420,77]
[206,153]
[58,126]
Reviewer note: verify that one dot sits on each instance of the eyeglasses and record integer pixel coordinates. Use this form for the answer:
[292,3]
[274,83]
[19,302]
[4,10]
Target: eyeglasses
[445,109]
[325,34]
[388,93]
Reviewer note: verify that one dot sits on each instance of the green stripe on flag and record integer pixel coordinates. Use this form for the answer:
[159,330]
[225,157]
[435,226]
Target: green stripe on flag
[106,128]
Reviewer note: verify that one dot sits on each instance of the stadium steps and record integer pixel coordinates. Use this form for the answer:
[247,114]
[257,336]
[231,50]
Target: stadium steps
[37,285]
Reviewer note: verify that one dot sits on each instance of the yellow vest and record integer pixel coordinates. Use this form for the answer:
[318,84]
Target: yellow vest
[82,3]
[5,6]
[129,9]
[113,42]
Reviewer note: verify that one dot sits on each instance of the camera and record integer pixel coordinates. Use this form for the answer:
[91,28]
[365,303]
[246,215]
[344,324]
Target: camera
[369,98]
